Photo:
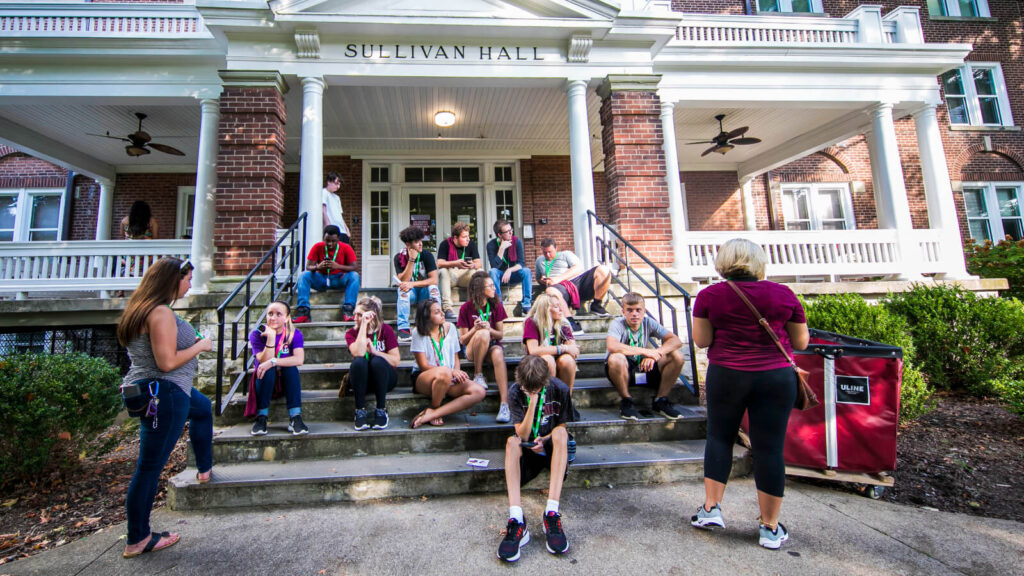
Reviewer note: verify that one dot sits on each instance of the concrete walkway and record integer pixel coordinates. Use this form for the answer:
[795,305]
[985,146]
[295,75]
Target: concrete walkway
[635,530]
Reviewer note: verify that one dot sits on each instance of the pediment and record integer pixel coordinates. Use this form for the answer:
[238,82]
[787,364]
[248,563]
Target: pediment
[483,9]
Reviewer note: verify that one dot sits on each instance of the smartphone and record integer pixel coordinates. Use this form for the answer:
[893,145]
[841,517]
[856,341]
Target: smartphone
[528,445]
[468,258]
[261,328]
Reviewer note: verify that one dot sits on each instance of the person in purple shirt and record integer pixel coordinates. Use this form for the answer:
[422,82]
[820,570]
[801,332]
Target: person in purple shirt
[481,325]
[747,373]
[375,358]
[277,348]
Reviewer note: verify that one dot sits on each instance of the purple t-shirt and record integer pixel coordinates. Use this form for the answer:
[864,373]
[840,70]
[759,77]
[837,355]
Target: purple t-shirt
[258,343]
[531,332]
[739,342]
[468,310]
[386,339]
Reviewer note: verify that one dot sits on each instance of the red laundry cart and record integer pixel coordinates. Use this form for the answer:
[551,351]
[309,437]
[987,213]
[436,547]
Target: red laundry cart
[851,436]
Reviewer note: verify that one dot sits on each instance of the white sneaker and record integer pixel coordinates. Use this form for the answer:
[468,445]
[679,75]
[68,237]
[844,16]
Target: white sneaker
[504,415]
[479,379]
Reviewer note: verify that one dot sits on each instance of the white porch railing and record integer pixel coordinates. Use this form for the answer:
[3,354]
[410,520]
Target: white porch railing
[829,254]
[106,21]
[81,265]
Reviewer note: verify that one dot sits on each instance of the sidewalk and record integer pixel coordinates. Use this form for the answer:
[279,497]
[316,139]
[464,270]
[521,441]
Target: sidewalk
[634,530]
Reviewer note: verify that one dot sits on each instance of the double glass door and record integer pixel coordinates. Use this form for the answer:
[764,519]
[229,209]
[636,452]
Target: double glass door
[436,210]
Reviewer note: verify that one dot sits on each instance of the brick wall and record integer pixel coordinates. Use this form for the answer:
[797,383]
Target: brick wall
[713,201]
[85,202]
[547,193]
[19,170]
[351,172]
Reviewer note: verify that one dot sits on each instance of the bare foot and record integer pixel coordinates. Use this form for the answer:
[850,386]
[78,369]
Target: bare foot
[151,544]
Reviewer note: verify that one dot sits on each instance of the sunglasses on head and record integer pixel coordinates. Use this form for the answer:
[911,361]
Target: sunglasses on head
[186,267]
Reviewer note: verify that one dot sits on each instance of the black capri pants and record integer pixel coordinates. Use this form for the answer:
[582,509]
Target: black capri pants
[768,397]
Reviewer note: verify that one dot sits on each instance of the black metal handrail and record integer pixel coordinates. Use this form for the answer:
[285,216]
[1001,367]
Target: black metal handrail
[292,261]
[607,250]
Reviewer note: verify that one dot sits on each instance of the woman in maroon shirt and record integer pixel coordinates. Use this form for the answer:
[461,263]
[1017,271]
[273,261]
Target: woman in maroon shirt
[747,373]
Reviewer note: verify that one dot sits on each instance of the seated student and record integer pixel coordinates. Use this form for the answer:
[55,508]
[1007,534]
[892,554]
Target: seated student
[277,347]
[436,350]
[416,275]
[481,326]
[457,258]
[375,358]
[634,358]
[331,265]
[507,258]
[547,335]
[563,271]
[541,407]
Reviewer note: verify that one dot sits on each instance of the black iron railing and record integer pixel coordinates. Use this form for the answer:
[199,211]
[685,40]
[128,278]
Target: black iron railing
[291,262]
[610,248]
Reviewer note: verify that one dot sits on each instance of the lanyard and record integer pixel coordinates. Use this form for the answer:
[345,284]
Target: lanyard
[636,340]
[416,266]
[279,348]
[336,248]
[367,356]
[485,316]
[550,340]
[438,349]
[540,412]
[464,253]
[547,267]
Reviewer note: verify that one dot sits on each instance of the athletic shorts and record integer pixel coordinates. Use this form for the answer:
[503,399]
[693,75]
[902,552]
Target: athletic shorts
[653,377]
[532,464]
[584,285]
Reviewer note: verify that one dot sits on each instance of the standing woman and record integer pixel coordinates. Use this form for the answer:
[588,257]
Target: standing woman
[437,374]
[747,373]
[279,352]
[481,326]
[547,334]
[158,387]
[375,357]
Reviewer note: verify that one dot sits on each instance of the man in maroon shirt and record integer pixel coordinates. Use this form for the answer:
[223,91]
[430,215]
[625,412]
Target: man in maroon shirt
[331,265]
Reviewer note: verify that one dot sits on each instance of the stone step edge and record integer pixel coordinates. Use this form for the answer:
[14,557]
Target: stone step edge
[409,364]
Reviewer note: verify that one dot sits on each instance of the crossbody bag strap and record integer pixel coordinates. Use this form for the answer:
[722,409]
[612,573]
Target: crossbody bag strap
[762,321]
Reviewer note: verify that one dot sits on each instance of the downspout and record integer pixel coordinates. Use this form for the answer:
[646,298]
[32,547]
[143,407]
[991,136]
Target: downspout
[772,225]
[66,216]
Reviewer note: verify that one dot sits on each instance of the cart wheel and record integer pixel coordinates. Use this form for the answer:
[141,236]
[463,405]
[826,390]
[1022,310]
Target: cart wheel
[874,492]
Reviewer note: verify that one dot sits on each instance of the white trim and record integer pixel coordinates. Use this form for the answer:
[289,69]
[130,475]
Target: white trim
[994,218]
[182,225]
[815,191]
[23,214]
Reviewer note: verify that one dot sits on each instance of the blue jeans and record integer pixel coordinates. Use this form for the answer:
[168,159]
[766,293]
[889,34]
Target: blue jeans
[349,282]
[407,299]
[156,444]
[522,275]
[292,390]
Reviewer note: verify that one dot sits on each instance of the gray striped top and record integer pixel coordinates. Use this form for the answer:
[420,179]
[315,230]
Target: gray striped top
[140,351]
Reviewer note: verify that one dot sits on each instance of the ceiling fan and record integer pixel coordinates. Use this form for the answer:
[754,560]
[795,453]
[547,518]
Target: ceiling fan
[139,140]
[726,141]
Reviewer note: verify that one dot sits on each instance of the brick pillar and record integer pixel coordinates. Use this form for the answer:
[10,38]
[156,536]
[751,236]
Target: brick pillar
[634,164]
[250,169]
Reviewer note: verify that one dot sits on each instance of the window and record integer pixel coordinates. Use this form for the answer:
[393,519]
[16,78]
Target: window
[442,174]
[976,95]
[186,212]
[31,214]
[817,207]
[807,6]
[505,203]
[959,8]
[994,211]
[380,223]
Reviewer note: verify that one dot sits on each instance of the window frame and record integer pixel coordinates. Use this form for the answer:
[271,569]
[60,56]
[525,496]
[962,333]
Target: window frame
[182,227]
[23,212]
[815,190]
[786,7]
[951,8]
[993,218]
[974,115]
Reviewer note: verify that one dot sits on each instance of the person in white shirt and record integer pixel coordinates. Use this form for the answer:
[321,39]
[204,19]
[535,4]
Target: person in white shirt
[331,201]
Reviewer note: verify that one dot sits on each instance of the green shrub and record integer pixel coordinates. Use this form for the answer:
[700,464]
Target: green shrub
[962,341]
[52,406]
[850,314]
[1002,260]
[1011,391]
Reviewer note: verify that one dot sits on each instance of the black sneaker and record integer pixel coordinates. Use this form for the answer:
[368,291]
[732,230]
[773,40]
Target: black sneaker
[301,315]
[577,328]
[627,411]
[404,335]
[297,427]
[557,542]
[259,427]
[361,422]
[664,407]
[450,316]
[516,536]
[380,419]
[597,309]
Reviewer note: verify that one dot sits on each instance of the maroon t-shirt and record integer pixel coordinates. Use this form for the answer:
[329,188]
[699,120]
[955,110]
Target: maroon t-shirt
[739,342]
[344,255]
[468,310]
[531,332]
[386,339]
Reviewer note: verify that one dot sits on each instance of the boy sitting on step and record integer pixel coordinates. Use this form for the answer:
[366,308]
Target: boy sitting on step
[635,358]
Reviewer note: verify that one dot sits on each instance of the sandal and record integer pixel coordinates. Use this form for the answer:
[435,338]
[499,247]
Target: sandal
[201,480]
[416,420]
[437,422]
[151,546]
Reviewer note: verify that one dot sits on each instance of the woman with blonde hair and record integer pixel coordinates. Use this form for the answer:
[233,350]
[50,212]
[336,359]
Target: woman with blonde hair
[547,334]
[747,373]
[278,350]
[158,390]
[375,358]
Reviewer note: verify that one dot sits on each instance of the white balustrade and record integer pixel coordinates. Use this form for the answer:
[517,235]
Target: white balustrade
[723,29]
[117,22]
[828,254]
[82,265]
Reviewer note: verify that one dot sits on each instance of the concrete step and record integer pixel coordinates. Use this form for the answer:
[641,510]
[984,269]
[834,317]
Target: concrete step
[463,431]
[332,328]
[321,351]
[361,478]
[326,406]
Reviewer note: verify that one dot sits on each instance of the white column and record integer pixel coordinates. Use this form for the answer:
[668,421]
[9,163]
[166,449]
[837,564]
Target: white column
[939,193]
[205,212]
[311,164]
[582,169]
[890,189]
[105,211]
[747,196]
[676,207]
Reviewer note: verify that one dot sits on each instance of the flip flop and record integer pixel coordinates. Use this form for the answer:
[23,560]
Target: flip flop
[416,420]
[151,546]
[201,480]
[437,422]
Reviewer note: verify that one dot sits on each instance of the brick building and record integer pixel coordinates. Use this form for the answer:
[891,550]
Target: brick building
[878,135]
